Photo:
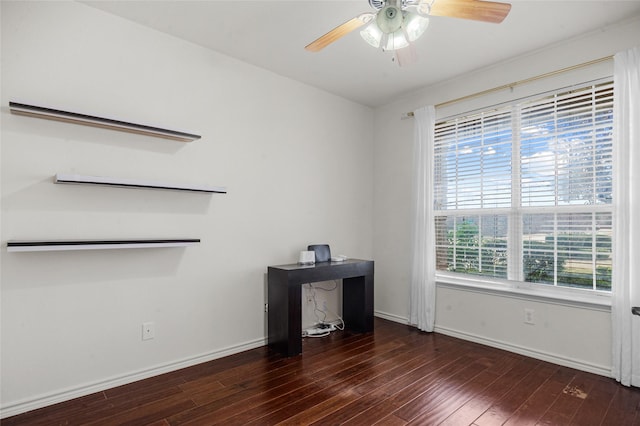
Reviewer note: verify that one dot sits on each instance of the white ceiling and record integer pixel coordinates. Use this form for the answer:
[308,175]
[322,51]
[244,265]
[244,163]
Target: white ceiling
[272,35]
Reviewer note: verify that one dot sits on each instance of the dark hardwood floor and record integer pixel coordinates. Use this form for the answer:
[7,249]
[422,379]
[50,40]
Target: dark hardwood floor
[394,376]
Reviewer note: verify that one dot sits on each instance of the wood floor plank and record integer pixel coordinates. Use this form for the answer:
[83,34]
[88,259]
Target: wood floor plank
[334,379]
[236,392]
[596,404]
[56,413]
[429,358]
[237,407]
[536,405]
[483,401]
[512,370]
[392,420]
[406,388]
[320,410]
[256,403]
[395,375]
[187,374]
[380,381]
[566,405]
[447,401]
[504,408]
[147,413]
[162,422]
[442,390]
[366,375]
[121,403]
[624,408]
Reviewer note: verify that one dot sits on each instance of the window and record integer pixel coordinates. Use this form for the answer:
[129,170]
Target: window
[523,191]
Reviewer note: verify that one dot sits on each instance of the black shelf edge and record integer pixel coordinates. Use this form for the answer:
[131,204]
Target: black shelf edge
[57,245]
[62,178]
[90,120]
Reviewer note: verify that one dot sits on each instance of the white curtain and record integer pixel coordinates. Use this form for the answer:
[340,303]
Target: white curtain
[626,262]
[423,269]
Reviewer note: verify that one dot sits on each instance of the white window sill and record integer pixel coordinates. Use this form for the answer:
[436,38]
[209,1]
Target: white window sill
[528,291]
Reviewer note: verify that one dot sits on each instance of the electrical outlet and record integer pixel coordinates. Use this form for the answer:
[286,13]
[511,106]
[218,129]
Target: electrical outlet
[529,316]
[148,330]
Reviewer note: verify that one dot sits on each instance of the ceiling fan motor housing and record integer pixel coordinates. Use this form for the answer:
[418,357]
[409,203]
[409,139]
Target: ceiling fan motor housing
[389,18]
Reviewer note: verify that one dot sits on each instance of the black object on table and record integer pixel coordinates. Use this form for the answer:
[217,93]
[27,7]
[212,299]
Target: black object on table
[284,299]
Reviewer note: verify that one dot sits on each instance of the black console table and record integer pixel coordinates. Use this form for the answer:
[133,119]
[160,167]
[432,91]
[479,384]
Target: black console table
[285,293]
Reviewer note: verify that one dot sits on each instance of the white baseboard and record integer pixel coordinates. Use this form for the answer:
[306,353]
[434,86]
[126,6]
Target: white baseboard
[601,370]
[391,317]
[19,407]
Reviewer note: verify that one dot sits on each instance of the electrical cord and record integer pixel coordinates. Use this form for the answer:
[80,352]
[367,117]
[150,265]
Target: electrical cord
[339,326]
[316,309]
[335,286]
[304,334]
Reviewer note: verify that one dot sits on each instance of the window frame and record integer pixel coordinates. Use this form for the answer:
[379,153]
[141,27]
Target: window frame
[518,287]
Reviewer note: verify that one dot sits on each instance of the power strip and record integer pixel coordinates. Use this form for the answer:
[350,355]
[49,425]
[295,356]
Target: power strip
[319,329]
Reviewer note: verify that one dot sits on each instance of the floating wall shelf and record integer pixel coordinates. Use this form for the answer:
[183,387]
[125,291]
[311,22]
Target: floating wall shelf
[96,244]
[134,183]
[106,123]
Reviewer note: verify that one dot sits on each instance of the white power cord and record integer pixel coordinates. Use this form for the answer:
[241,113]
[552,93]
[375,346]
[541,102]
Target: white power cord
[318,332]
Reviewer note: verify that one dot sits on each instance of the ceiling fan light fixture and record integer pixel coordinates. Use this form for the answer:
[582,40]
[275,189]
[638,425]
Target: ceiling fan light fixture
[378,38]
[415,25]
[372,34]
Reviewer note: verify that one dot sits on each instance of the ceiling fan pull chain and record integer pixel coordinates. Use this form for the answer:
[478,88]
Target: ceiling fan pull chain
[384,41]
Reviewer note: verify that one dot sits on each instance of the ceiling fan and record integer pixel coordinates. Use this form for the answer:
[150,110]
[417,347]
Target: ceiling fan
[395,24]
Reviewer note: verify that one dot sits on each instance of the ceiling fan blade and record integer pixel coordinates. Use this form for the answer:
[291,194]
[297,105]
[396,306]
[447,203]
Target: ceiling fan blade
[338,32]
[477,10]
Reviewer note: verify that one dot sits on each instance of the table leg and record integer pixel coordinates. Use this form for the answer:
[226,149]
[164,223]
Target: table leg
[357,303]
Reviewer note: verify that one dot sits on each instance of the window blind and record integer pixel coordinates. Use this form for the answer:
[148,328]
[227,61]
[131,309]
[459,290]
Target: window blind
[523,191]
[566,147]
[473,161]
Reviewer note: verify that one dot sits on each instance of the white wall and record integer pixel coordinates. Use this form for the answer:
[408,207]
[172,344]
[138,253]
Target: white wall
[297,162]
[569,334]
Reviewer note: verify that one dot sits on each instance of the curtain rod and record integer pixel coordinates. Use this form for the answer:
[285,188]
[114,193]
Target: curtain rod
[517,83]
